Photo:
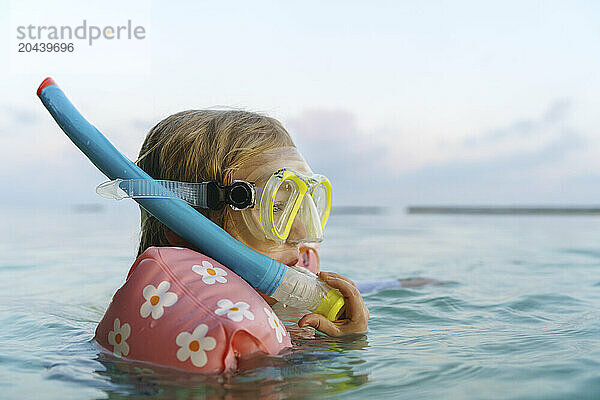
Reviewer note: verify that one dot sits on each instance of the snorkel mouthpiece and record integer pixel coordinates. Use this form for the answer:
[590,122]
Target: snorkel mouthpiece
[332,305]
[265,274]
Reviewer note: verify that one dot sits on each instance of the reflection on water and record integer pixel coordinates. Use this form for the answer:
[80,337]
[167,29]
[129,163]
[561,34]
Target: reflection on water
[300,371]
[314,367]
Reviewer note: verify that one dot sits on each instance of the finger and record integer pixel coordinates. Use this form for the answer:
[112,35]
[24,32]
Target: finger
[342,277]
[355,307]
[347,288]
[320,323]
[335,328]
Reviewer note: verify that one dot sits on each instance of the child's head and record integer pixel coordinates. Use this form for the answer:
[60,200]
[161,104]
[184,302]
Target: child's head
[221,145]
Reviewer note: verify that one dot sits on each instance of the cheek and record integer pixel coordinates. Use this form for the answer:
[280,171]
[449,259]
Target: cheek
[234,225]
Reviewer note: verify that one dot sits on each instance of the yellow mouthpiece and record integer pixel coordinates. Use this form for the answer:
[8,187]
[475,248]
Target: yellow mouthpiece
[332,305]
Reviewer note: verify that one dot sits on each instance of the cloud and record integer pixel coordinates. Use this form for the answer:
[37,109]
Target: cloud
[533,160]
[523,128]
[557,111]
[142,125]
[333,133]
[16,116]
[537,159]
[332,144]
[39,163]
[506,178]
[529,160]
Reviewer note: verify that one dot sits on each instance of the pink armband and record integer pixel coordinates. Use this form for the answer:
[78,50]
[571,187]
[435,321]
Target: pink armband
[181,309]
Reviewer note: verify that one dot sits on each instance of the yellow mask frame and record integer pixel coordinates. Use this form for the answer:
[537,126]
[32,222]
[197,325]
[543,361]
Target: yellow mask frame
[304,188]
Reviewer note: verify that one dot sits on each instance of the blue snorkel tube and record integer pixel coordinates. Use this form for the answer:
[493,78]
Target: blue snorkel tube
[269,276]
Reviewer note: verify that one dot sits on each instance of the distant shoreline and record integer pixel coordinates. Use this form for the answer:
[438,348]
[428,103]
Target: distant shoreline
[357,210]
[500,210]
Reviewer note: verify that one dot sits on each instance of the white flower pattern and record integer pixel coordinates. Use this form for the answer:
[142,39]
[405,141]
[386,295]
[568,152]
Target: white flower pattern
[235,311]
[275,324]
[157,298]
[210,274]
[117,338]
[194,345]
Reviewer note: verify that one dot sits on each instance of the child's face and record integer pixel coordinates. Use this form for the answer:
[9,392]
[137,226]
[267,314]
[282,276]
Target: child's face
[258,171]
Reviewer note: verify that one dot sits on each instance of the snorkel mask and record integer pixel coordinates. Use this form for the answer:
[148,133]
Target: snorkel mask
[285,205]
[292,207]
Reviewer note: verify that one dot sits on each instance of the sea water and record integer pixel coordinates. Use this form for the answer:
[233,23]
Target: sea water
[517,319]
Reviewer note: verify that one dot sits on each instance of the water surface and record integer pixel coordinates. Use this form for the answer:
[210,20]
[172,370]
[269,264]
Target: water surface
[520,321]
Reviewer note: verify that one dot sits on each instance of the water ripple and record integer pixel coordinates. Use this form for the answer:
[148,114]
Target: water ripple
[522,323]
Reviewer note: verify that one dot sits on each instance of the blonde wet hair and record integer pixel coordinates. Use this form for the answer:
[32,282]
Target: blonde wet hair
[201,146]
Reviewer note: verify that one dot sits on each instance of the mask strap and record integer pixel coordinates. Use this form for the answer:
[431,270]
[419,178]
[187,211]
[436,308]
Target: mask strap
[211,195]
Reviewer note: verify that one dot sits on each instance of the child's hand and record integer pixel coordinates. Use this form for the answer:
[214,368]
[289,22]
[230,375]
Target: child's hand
[356,317]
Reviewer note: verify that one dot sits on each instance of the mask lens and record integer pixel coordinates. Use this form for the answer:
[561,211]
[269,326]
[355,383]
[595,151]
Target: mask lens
[283,204]
[307,225]
[294,207]
[320,196]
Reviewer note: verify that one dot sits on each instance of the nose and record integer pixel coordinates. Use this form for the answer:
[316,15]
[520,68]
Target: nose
[298,231]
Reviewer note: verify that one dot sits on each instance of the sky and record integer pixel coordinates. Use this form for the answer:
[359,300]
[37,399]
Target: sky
[399,103]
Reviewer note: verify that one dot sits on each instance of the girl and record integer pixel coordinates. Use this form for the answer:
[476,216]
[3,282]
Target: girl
[223,146]
[206,145]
